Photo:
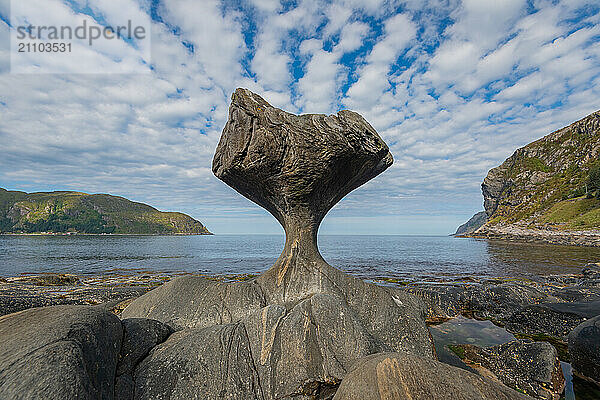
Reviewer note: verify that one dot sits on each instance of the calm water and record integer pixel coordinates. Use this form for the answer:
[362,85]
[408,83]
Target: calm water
[404,257]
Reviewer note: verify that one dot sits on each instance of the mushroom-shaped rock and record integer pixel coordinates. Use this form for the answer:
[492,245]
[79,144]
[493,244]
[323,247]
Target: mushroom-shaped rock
[297,167]
[300,325]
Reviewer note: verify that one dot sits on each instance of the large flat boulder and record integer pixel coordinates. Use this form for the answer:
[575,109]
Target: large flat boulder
[552,319]
[530,367]
[60,352]
[400,376]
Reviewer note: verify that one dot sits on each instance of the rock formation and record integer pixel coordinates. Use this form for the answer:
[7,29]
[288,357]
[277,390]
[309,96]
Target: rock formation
[301,325]
[294,332]
[476,222]
[60,352]
[539,193]
[298,168]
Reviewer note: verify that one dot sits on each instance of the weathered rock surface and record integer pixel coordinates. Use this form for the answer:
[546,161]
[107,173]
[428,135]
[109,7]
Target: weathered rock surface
[200,363]
[297,167]
[197,302]
[554,319]
[489,300]
[140,336]
[584,349]
[442,302]
[532,368]
[400,376]
[298,327]
[500,301]
[61,352]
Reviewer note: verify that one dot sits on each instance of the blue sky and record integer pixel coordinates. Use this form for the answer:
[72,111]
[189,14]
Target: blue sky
[453,86]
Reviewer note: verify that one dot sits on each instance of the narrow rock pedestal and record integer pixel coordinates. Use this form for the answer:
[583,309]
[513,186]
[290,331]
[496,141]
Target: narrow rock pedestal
[296,330]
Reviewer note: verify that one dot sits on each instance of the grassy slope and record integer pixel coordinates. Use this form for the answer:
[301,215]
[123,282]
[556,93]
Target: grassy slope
[575,214]
[81,212]
[562,159]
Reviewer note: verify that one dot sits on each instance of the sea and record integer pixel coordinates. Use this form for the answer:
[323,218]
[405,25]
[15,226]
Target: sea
[376,258]
[406,258]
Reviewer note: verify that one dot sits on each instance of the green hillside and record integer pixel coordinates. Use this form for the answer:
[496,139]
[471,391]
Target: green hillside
[57,212]
[550,183]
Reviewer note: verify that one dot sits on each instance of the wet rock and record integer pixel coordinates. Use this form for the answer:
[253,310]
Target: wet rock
[584,349]
[529,367]
[591,276]
[200,363]
[499,302]
[49,279]
[552,319]
[140,336]
[61,352]
[16,297]
[576,294]
[490,300]
[124,387]
[18,300]
[197,302]
[402,376]
[443,302]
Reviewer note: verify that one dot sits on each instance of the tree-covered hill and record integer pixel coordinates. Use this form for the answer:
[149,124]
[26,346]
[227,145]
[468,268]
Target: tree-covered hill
[56,212]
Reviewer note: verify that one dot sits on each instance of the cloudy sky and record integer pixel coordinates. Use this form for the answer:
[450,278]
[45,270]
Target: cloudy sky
[453,86]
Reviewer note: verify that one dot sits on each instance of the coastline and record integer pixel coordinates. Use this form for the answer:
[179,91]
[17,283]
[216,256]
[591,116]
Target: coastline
[107,234]
[546,236]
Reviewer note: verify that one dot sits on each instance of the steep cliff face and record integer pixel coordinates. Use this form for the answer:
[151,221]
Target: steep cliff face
[22,212]
[543,185]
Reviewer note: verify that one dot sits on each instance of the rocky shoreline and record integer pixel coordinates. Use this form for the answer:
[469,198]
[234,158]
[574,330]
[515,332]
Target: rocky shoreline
[302,330]
[548,236]
[545,311]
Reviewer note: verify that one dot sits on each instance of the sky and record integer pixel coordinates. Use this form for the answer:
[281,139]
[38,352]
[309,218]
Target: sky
[453,87]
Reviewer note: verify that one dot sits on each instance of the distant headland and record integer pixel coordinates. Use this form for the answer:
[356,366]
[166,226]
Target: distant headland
[547,191]
[82,213]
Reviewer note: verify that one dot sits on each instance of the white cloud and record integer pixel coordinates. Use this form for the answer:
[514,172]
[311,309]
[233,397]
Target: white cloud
[373,77]
[452,100]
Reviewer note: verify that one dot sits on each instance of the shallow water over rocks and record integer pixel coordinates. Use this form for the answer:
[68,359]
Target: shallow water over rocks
[463,330]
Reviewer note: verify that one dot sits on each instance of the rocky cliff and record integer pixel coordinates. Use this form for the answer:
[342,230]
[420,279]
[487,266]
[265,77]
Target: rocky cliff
[22,212]
[543,186]
[473,224]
